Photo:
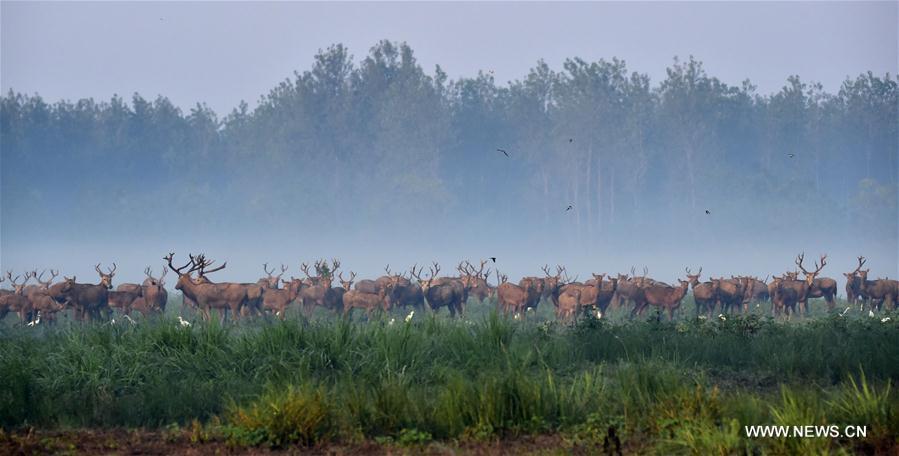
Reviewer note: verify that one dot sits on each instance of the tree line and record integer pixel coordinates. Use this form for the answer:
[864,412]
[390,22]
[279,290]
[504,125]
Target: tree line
[382,139]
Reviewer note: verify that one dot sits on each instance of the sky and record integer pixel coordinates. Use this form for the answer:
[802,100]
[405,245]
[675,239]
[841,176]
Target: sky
[223,52]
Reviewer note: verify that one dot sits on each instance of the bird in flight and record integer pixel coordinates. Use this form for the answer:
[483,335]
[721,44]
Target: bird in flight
[503,151]
[707,212]
[571,140]
[791,155]
[570,207]
[493,259]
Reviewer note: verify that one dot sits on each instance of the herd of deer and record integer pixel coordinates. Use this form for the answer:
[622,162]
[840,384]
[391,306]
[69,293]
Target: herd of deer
[273,294]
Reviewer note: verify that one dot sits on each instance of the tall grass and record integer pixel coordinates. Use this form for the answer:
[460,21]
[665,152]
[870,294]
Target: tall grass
[683,387]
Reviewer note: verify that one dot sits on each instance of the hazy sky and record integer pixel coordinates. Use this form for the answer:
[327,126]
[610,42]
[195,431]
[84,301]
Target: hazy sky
[221,53]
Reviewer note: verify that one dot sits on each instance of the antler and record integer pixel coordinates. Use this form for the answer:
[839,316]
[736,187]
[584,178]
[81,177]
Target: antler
[818,268]
[861,262]
[417,275]
[305,268]
[149,272]
[267,272]
[435,269]
[112,271]
[387,270]
[335,264]
[545,270]
[169,258]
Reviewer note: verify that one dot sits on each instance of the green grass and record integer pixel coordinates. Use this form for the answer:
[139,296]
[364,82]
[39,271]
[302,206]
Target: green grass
[687,386]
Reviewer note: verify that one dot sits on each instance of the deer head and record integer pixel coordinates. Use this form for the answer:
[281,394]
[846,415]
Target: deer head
[46,284]
[106,278]
[347,283]
[18,288]
[810,276]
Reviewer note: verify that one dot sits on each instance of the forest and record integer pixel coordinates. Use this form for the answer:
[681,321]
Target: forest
[380,141]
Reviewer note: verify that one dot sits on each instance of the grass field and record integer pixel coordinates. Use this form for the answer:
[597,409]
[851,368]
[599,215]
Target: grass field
[686,387]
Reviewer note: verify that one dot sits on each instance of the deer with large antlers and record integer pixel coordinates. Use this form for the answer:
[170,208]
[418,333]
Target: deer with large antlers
[16,301]
[814,290]
[788,291]
[441,293]
[224,297]
[574,297]
[277,300]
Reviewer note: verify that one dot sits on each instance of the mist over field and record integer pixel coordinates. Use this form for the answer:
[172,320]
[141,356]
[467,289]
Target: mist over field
[374,158]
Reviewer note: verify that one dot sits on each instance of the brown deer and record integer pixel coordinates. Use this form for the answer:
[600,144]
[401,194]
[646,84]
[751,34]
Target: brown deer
[664,296]
[42,303]
[271,281]
[88,300]
[16,301]
[731,294]
[317,290]
[790,291]
[475,280]
[441,293]
[361,300]
[402,292]
[880,291]
[815,285]
[512,298]
[705,294]
[277,300]
[574,297]
[630,288]
[853,285]
[222,296]
[153,291]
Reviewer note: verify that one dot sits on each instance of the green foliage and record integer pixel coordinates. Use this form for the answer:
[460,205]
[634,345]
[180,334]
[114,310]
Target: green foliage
[662,387]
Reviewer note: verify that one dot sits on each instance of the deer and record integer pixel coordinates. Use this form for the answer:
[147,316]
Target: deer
[664,296]
[16,301]
[42,303]
[153,296]
[879,291]
[817,288]
[789,291]
[476,280]
[362,300]
[576,296]
[402,292]
[276,300]
[208,295]
[705,294]
[446,293]
[853,285]
[512,298]
[90,300]
[317,290]
[630,288]
[271,281]
[731,294]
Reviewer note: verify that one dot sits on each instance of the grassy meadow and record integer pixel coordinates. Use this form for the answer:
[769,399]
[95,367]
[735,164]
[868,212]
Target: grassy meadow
[652,386]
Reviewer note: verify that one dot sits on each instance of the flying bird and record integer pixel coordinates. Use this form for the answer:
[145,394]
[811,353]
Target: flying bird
[571,140]
[503,151]
[493,259]
[791,155]
[707,212]
[569,208]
